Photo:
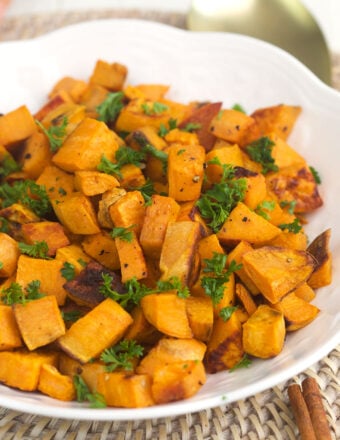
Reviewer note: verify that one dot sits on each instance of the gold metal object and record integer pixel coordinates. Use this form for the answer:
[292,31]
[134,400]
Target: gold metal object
[285,23]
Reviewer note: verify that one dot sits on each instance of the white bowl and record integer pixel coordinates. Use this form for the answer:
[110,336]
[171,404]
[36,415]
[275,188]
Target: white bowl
[198,66]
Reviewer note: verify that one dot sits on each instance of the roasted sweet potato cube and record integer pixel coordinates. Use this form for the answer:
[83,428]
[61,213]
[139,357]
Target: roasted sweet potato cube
[207,247]
[305,292]
[82,220]
[56,181]
[179,248]
[56,385]
[177,381]
[276,271]
[84,289]
[48,272]
[129,211]
[10,337]
[231,125]
[167,313]
[225,154]
[245,298]
[185,171]
[201,117]
[68,114]
[109,75]
[102,248]
[21,369]
[298,240]
[319,248]
[58,98]
[264,332]
[126,390]
[73,254]
[50,232]
[256,191]
[283,154]
[279,119]
[224,349]
[162,211]
[18,213]
[92,97]
[108,198]
[108,321]
[141,330]
[131,258]
[200,313]
[74,87]
[154,92]
[131,177]
[36,155]
[296,311]
[85,146]
[244,224]
[92,183]
[189,212]
[16,125]
[9,254]
[40,321]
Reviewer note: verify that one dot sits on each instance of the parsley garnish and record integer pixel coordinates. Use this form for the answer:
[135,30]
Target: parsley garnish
[226,312]
[219,275]
[124,155]
[155,108]
[15,294]
[84,394]
[294,227]
[110,108]
[242,363]
[68,271]
[4,224]
[1,265]
[239,108]
[158,154]
[266,205]
[133,295]
[164,130]
[217,203]
[173,283]
[8,166]
[121,355]
[55,134]
[125,234]
[38,249]
[290,205]
[316,175]
[260,151]
[147,190]
[192,126]
[28,193]
[71,316]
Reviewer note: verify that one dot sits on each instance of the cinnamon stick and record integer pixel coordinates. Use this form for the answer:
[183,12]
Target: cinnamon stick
[313,399]
[300,412]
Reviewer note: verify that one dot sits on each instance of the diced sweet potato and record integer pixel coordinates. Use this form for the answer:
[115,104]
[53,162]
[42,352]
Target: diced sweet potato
[74,255]
[21,369]
[141,330]
[18,213]
[36,155]
[129,211]
[108,321]
[245,298]
[39,321]
[92,183]
[109,75]
[16,125]
[102,248]
[108,198]
[74,87]
[305,292]
[200,313]
[56,181]
[9,254]
[206,248]
[276,271]
[55,384]
[68,114]
[167,313]
[231,125]
[264,333]
[319,248]
[131,258]
[224,349]
[131,177]
[226,154]
[121,389]
[10,337]
[154,92]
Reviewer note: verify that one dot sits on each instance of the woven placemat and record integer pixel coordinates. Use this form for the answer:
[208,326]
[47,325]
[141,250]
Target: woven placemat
[265,416]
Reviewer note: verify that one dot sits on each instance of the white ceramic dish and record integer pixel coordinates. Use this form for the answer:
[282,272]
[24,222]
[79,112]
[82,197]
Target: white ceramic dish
[205,66]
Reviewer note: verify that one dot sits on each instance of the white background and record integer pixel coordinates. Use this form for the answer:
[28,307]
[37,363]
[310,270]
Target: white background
[326,12]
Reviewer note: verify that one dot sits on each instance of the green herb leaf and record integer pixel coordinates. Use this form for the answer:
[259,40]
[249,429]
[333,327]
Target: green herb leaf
[226,312]
[55,134]
[15,294]
[164,130]
[38,249]
[4,224]
[294,227]
[263,207]
[110,108]
[316,175]
[33,290]
[124,156]
[71,316]
[1,265]
[245,362]
[121,355]
[147,190]
[84,394]
[68,271]
[173,283]
[192,126]
[288,204]
[8,166]
[125,234]
[155,108]
[260,151]
[239,108]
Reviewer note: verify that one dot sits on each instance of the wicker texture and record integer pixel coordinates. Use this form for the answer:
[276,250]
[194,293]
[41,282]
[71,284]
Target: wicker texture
[266,415]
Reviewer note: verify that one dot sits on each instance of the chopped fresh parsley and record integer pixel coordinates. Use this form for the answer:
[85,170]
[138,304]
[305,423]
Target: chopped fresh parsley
[121,355]
[124,156]
[263,207]
[192,126]
[38,249]
[173,283]
[289,204]
[68,271]
[164,130]
[154,108]
[239,108]
[8,166]
[147,190]
[260,151]
[1,265]
[4,224]
[245,362]
[71,316]
[316,175]
[226,312]
[84,394]
[15,294]
[110,108]
[125,234]
[55,134]
[294,227]
[217,202]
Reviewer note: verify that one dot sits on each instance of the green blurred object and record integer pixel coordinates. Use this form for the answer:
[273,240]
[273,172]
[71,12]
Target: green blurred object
[285,23]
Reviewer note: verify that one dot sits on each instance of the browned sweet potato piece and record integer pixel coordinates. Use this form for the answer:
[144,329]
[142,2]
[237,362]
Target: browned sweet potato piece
[102,248]
[92,97]
[154,92]
[245,298]
[131,257]
[92,183]
[21,369]
[231,125]
[224,349]
[129,211]
[9,254]
[179,247]
[107,321]
[74,255]
[18,213]
[202,116]
[319,248]
[207,246]
[16,125]
[84,289]
[256,191]
[56,100]
[167,313]
[177,381]
[39,321]
[244,224]
[10,337]
[56,181]
[162,211]
[132,177]
[109,75]
[224,153]
[50,232]
[56,385]
[200,313]
[264,333]
[74,87]
[126,390]
[276,271]
[141,330]
[108,198]
[171,350]
[305,292]
[296,311]
[36,155]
